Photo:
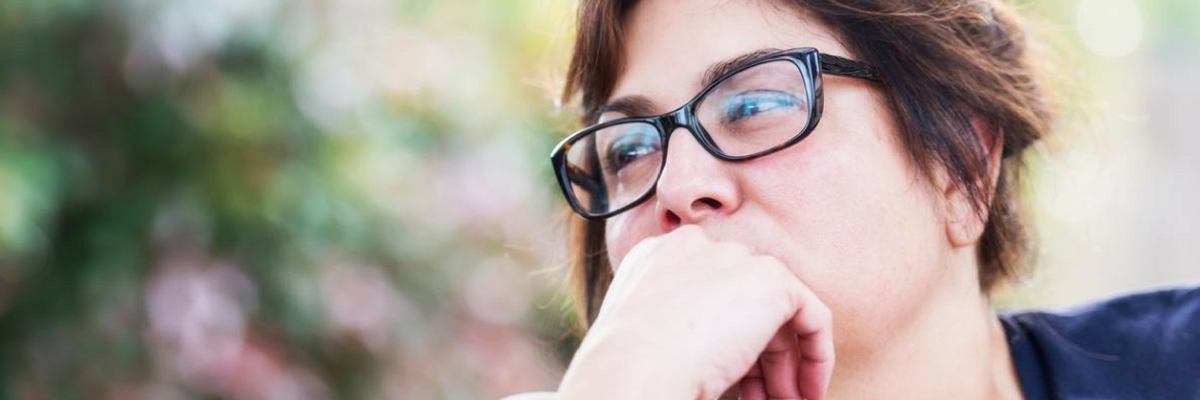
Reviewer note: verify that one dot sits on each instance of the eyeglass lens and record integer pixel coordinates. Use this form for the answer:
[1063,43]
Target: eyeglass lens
[754,110]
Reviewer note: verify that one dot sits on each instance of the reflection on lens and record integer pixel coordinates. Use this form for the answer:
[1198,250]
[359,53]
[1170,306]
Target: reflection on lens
[614,166]
[758,109]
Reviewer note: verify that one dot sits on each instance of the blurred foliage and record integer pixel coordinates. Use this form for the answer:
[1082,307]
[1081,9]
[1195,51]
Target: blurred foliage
[350,199]
[261,199]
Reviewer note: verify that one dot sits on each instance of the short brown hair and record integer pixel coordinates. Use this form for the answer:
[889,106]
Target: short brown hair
[947,62]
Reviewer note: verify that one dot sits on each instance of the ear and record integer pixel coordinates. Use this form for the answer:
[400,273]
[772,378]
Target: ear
[963,225]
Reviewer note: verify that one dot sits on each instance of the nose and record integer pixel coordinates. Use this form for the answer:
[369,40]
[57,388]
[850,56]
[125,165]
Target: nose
[693,185]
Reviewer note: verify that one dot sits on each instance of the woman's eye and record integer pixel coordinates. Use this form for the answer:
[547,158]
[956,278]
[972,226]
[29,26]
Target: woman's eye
[629,148]
[752,103]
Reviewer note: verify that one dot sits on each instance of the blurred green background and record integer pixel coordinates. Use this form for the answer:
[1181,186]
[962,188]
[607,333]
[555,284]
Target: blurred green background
[319,199]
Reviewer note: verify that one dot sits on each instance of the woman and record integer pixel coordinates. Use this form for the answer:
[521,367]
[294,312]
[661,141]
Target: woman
[833,211]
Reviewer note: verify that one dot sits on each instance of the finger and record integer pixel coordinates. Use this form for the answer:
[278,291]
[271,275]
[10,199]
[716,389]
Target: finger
[780,364]
[813,325]
[751,385]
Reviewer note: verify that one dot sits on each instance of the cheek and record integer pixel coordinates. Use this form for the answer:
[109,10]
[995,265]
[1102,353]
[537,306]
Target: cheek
[860,226]
[625,230]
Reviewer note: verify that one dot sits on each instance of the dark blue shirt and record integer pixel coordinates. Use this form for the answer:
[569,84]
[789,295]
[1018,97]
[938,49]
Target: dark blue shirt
[1141,346]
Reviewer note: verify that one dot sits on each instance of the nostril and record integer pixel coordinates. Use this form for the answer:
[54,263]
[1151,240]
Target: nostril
[673,220]
[701,208]
[706,202]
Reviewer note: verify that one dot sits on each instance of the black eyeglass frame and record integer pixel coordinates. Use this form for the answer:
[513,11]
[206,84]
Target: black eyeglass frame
[806,59]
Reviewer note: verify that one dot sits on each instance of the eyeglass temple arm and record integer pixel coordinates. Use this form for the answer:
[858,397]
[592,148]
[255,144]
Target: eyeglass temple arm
[831,64]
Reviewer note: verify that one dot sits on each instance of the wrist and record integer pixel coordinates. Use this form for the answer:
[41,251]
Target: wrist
[609,368]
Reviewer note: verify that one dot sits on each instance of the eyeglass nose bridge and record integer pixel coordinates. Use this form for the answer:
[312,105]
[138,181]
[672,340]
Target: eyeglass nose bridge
[685,118]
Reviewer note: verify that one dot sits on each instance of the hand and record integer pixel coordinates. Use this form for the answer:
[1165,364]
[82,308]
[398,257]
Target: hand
[687,317]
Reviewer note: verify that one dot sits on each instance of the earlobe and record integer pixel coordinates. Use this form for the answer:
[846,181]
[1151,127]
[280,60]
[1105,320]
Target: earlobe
[963,225]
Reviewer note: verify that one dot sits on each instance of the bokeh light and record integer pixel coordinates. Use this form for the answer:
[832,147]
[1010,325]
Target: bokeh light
[1111,28]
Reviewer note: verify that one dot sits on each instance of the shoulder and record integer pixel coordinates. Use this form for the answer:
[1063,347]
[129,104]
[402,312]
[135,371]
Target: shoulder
[1141,345]
[1165,317]
[531,396]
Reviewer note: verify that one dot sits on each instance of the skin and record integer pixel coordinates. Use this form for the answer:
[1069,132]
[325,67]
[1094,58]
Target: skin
[831,269]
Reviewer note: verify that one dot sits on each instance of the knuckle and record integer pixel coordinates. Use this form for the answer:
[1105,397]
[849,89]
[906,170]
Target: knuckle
[729,248]
[824,314]
[644,246]
[794,295]
[689,230]
[773,269]
[681,236]
[788,285]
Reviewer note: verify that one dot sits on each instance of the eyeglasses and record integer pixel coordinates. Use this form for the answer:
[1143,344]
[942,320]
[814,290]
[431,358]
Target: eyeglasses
[759,107]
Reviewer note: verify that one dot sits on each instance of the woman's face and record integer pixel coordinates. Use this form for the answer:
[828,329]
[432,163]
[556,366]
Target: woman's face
[844,209]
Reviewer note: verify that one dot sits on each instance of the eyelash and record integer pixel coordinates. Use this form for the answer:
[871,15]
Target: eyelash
[777,98]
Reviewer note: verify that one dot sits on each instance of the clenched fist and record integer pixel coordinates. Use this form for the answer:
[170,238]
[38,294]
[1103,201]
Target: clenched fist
[687,317]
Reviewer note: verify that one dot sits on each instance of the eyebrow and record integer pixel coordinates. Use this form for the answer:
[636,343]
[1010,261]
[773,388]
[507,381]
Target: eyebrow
[634,105]
[638,105]
[719,69]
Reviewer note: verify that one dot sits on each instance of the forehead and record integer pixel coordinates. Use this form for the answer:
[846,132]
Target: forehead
[669,44]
